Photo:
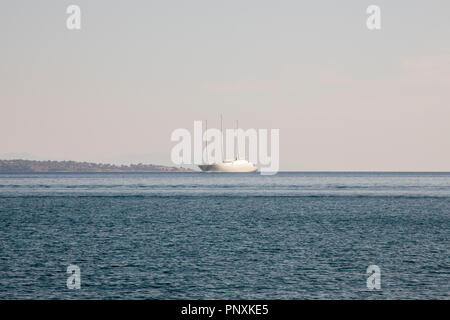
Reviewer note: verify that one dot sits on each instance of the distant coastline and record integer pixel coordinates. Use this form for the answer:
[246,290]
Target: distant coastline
[30,166]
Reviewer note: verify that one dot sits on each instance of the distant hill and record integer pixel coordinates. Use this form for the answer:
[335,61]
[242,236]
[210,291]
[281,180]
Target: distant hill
[25,166]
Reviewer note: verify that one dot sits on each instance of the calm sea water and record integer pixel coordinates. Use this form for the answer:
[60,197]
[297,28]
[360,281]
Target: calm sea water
[225,236]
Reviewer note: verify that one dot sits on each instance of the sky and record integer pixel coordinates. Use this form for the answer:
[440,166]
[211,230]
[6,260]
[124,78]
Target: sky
[345,98]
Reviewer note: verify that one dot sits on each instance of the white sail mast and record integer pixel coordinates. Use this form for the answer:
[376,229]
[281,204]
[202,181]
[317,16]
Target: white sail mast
[206,133]
[237,140]
[221,136]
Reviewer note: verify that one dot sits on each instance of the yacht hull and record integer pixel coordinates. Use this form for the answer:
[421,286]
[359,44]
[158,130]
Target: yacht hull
[228,167]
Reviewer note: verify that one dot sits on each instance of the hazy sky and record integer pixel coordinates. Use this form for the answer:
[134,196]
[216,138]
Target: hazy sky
[343,97]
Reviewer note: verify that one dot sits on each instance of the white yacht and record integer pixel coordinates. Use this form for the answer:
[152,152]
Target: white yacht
[236,165]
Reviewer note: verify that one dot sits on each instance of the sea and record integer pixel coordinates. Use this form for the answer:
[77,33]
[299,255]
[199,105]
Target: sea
[293,235]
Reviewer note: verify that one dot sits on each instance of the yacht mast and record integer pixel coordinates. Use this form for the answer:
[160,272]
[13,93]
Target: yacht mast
[237,140]
[221,137]
[206,133]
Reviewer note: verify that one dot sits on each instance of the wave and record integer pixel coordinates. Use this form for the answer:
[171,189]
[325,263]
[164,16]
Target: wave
[234,195]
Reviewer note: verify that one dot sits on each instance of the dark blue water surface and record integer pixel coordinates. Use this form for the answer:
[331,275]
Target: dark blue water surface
[225,236]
